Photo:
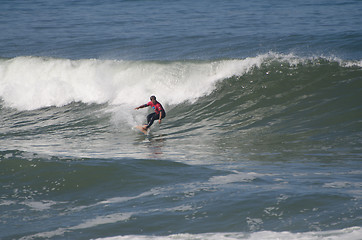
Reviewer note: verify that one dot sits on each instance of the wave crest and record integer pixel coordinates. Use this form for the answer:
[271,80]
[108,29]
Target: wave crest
[29,83]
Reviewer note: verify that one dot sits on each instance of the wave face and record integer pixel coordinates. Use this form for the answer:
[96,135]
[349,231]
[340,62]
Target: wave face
[287,95]
[294,97]
[250,147]
[29,83]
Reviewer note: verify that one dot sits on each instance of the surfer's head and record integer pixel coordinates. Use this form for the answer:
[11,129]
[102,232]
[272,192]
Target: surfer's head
[153,99]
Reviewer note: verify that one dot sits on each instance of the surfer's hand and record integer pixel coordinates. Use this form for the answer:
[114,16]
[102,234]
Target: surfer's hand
[159,121]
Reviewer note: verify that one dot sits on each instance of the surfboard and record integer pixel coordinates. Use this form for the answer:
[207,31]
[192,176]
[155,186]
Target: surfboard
[141,129]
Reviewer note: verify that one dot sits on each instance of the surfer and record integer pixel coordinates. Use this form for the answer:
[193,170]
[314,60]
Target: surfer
[158,114]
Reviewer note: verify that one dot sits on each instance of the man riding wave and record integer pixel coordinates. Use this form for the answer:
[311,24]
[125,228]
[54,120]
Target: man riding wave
[158,114]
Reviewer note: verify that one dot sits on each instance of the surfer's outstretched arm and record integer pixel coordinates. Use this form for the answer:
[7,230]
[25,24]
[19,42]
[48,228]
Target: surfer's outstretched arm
[142,106]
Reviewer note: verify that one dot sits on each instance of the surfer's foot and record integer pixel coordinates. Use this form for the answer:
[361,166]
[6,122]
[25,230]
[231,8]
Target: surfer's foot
[145,127]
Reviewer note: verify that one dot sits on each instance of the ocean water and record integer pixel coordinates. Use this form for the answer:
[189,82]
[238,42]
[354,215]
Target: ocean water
[263,134]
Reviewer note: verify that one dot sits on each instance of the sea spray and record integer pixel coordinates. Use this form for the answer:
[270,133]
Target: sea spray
[29,83]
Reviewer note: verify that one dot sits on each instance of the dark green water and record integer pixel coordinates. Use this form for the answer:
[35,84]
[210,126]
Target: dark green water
[269,144]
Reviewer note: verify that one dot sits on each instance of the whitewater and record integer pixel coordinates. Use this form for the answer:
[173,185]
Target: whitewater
[29,83]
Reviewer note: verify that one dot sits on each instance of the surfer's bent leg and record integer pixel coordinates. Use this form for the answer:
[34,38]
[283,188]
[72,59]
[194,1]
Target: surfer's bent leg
[151,118]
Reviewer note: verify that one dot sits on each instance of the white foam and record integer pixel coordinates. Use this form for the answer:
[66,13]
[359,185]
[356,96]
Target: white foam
[111,218]
[28,83]
[353,188]
[6,202]
[40,206]
[153,191]
[100,220]
[353,233]
[341,185]
[234,178]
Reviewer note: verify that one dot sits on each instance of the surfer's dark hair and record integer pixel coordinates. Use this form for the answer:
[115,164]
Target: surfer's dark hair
[152,97]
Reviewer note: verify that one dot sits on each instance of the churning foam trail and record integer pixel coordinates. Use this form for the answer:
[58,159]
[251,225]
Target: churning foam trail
[28,83]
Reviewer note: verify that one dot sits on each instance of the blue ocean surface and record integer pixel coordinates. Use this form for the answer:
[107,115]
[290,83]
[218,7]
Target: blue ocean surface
[262,138]
[178,30]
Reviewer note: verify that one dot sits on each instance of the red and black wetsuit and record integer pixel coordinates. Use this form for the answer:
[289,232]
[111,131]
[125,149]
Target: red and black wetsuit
[156,115]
